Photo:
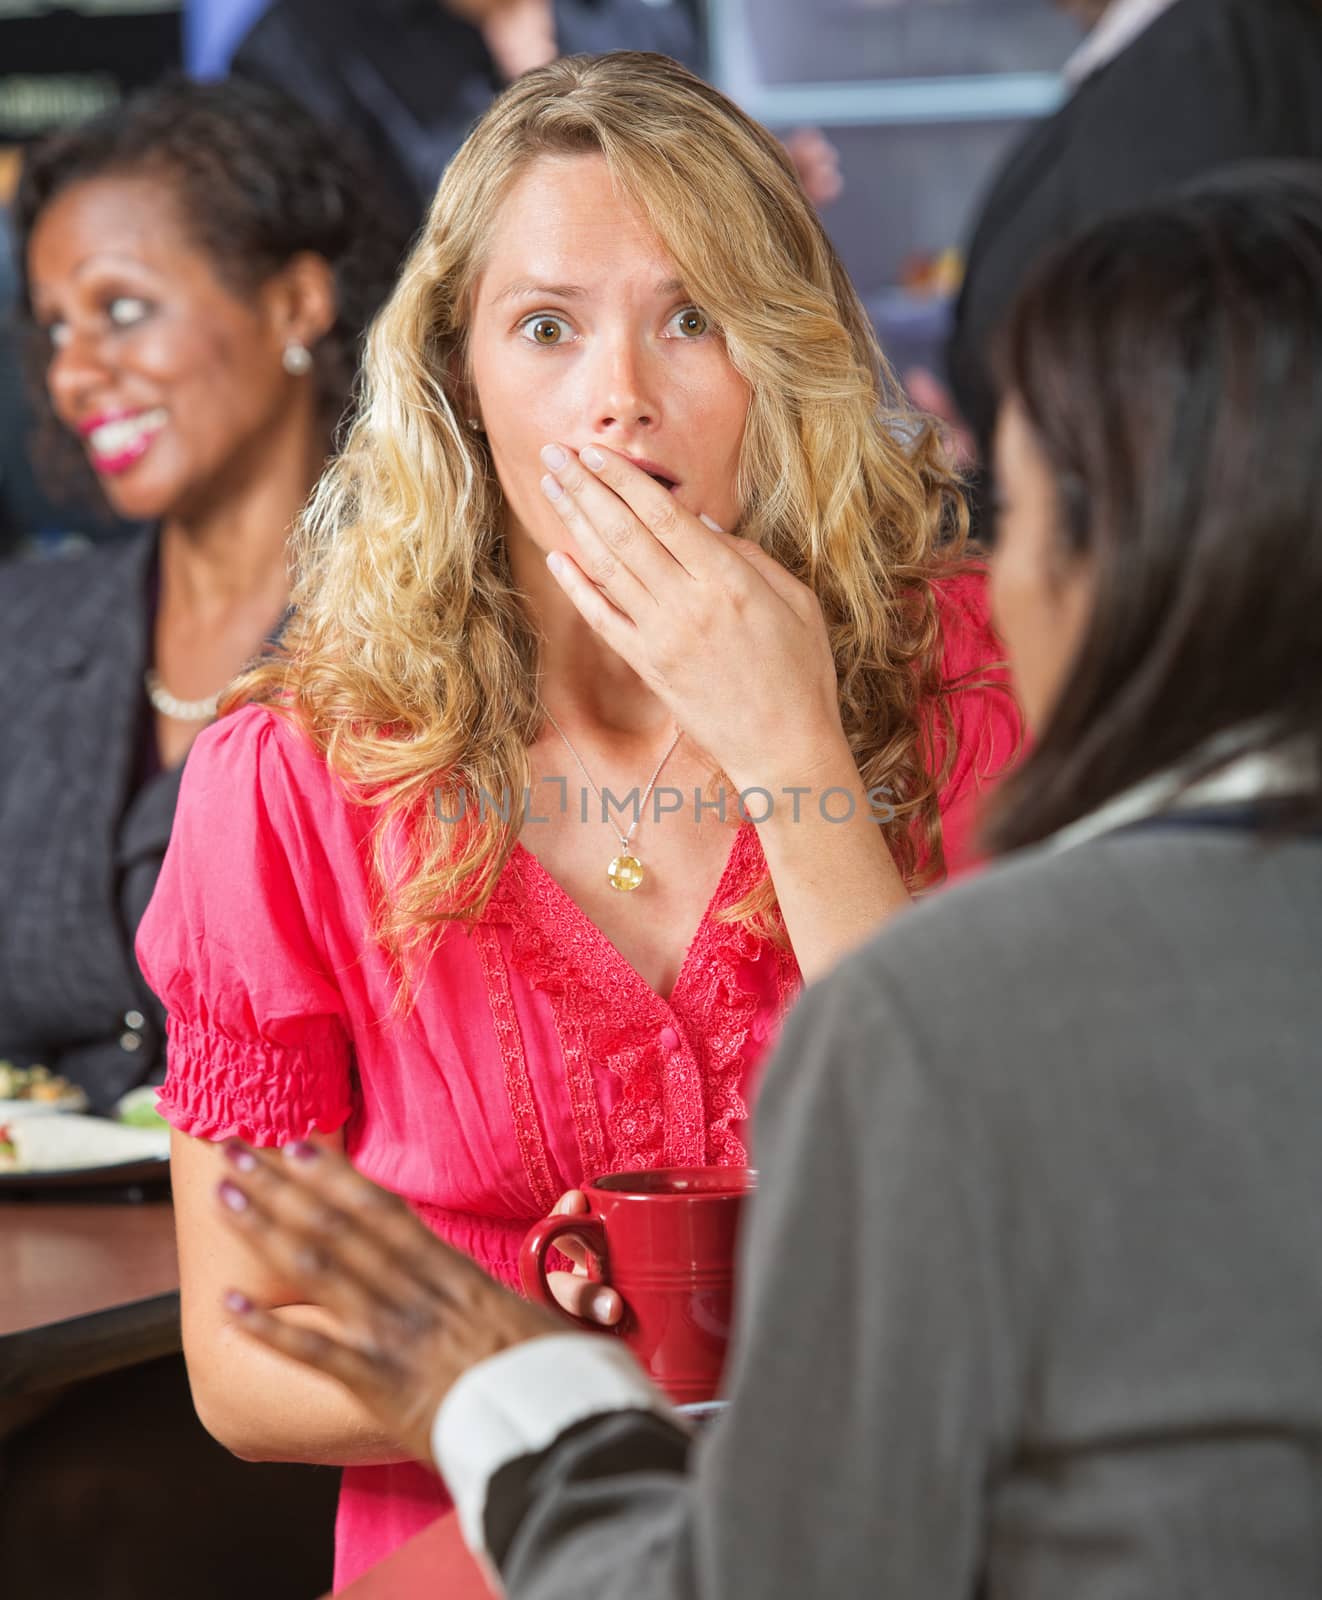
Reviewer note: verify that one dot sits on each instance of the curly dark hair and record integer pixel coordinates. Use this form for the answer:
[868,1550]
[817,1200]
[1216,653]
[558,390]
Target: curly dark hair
[258,182]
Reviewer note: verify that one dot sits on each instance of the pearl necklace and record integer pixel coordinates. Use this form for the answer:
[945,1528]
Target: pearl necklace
[171,706]
[625,871]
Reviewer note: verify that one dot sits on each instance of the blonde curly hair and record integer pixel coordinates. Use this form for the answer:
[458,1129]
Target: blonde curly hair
[412,662]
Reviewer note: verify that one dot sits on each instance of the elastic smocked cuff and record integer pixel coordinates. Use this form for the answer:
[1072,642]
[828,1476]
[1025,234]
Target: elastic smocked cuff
[217,1087]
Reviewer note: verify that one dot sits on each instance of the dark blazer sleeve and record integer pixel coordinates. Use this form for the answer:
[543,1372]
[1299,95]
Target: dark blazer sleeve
[854,1455]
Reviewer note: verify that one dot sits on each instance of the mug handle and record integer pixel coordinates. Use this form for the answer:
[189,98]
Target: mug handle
[532,1259]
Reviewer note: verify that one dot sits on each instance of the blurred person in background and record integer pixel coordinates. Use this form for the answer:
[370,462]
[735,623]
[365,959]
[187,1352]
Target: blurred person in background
[408,78]
[1160,92]
[198,267]
[629,491]
[1031,1288]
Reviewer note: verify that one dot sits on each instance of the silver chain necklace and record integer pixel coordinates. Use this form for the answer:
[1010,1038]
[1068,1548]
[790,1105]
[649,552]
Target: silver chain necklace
[625,872]
[170,705]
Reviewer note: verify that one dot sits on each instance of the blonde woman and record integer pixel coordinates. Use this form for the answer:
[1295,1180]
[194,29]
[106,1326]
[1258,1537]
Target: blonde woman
[628,510]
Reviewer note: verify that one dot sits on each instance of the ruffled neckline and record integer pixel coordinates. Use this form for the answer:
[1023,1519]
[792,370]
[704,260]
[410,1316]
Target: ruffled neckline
[679,1059]
[527,885]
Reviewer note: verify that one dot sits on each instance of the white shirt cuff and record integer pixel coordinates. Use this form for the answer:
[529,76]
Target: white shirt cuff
[518,1402]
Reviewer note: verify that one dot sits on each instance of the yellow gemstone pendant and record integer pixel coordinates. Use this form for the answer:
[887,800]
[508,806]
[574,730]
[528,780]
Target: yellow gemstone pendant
[625,873]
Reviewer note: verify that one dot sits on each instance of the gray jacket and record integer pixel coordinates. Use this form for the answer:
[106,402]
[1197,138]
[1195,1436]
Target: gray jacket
[1033,1285]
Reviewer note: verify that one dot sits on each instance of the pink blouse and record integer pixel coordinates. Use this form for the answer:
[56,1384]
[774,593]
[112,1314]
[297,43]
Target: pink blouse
[535,1057]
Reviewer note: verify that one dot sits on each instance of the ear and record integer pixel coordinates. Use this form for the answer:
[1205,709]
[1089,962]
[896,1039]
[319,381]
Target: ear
[300,300]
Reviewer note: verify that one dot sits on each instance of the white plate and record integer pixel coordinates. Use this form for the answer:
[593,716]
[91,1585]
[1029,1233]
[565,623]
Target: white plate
[71,1143]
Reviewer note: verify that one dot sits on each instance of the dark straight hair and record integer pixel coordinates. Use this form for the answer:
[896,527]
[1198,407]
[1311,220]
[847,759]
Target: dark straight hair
[1169,362]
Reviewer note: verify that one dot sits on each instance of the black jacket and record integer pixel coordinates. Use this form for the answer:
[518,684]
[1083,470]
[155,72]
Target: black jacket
[81,837]
[404,80]
[1208,84]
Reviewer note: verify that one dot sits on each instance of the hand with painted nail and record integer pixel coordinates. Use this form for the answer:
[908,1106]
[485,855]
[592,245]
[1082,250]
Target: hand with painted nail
[412,1313]
[578,1292]
[731,642]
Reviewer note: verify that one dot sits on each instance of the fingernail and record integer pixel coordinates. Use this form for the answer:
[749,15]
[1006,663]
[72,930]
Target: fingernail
[592,458]
[551,489]
[233,1197]
[238,1303]
[554,457]
[711,522]
[240,1157]
[603,1303]
[557,563]
[302,1150]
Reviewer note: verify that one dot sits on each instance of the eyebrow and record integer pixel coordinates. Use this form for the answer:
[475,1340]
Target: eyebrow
[112,260]
[571,291]
[109,265]
[38,292]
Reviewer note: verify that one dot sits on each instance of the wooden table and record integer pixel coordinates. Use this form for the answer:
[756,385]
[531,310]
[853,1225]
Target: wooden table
[89,1289]
[84,1289]
[434,1566]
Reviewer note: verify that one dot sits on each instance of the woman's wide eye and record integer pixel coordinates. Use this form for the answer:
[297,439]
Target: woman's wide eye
[690,323]
[126,309]
[544,330]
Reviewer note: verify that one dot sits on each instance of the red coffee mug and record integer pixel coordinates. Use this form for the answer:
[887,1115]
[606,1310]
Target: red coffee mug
[665,1240]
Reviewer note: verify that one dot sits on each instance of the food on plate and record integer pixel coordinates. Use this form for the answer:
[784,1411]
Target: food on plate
[39,1087]
[70,1143]
[138,1108]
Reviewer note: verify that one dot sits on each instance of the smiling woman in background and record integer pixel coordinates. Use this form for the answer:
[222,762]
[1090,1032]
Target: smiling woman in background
[199,266]
[621,331]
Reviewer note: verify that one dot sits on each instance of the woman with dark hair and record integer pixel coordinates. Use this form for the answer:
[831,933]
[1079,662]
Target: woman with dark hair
[198,267]
[1188,475]
[1034,1274]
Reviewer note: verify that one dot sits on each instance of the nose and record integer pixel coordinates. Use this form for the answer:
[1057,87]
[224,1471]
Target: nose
[625,385]
[75,372]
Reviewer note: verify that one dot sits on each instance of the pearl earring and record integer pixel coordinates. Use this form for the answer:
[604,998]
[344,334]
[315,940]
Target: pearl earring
[475,424]
[297,359]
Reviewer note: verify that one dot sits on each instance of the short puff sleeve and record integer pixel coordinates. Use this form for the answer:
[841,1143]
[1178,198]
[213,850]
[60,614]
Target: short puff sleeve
[257,1041]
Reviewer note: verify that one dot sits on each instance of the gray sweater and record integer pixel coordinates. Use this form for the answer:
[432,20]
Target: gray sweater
[1032,1301]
